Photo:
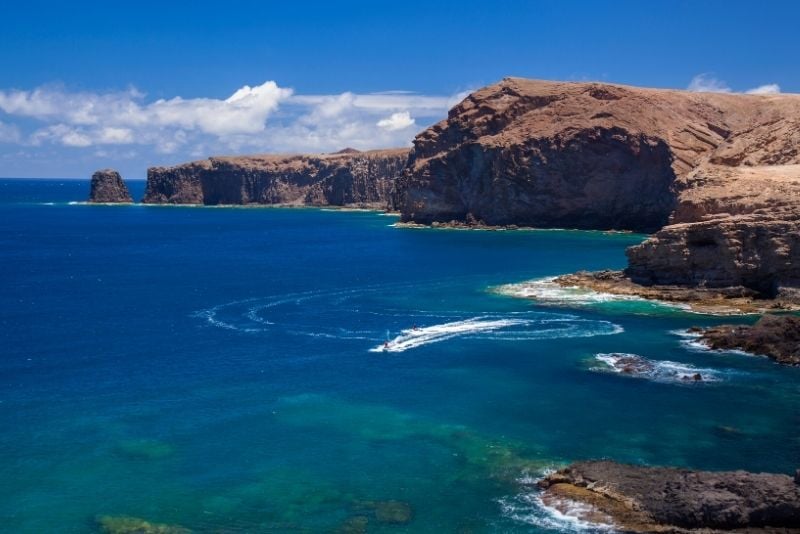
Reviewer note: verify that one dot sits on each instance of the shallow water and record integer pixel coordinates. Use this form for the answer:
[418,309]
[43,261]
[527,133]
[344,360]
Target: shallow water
[223,369]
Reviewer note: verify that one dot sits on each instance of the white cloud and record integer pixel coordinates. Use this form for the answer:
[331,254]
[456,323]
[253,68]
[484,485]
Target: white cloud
[245,111]
[264,118]
[397,121]
[9,133]
[705,83]
[768,89]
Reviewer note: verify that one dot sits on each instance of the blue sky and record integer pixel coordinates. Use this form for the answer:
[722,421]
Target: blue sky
[87,85]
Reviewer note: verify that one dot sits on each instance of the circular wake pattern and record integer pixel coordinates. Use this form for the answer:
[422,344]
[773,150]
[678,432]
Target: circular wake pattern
[375,315]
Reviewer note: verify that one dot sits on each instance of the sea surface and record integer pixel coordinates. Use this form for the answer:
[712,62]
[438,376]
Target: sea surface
[223,369]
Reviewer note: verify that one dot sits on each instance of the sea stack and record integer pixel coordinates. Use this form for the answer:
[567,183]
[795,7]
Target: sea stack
[108,188]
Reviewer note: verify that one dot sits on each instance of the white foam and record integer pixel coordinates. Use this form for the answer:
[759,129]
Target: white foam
[413,338]
[566,516]
[657,370]
[546,291]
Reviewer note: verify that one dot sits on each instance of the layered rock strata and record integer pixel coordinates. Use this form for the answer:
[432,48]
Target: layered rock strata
[346,178]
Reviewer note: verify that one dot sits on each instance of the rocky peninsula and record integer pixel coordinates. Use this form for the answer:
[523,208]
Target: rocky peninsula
[774,336]
[107,187]
[716,176]
[659,499]
[346,178]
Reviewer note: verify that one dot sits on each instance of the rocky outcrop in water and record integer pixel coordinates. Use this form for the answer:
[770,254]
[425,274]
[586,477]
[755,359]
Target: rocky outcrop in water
[775,336]
[107,187]
[345,178]
[656,499]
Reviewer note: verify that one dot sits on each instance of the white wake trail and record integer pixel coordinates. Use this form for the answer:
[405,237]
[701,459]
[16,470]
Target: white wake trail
[413,338]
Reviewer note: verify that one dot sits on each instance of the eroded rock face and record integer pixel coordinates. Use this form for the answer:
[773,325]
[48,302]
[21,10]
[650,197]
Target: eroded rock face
[107,186]
[775,336]
[648,499]
[584,155]
[346,178]
[757,252]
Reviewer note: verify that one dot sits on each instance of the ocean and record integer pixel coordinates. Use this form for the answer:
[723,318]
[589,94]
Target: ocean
[309,370]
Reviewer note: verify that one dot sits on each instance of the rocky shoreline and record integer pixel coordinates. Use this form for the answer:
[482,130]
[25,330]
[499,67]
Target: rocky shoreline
[774,336]
[718,301]
[662,499]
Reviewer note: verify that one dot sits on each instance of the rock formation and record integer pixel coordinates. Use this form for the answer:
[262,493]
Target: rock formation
[587,155]
[345,178]
[107,186]
[655,499]
[718,174]
[774,336]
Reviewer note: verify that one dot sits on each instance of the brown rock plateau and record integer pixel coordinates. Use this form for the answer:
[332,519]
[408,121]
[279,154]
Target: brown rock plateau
[345,178]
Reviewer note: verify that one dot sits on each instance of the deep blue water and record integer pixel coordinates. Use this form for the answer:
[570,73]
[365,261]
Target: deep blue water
[211,368]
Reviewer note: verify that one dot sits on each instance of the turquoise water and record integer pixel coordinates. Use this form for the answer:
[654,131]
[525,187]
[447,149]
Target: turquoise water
[212,368]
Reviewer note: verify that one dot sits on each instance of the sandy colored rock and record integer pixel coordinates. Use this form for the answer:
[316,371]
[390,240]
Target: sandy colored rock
[586,155]
[345,178]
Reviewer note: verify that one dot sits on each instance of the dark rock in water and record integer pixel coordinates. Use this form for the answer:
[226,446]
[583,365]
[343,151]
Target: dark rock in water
[647,499]
[775,336]
[344,178]
[134,525]
[108,187]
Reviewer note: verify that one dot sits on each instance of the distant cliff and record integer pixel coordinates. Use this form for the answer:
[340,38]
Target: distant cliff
[107,187]
[345,178]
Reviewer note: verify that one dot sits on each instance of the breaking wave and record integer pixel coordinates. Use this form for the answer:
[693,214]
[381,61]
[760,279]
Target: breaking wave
[558,514]
[547,292]
[658,371]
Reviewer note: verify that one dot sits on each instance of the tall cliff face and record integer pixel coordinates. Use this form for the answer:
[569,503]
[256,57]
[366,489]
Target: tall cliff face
[583,155]
[107,187]
[346,178]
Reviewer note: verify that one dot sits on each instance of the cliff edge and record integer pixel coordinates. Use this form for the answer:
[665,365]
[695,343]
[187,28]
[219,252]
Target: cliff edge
[345,178]
[717,176]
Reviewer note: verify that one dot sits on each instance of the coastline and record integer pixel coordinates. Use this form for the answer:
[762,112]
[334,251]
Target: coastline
[713,301]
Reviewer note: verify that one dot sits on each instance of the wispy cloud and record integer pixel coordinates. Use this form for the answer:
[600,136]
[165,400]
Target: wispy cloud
[264,117]
[9,133]
[707,83]
[768,89]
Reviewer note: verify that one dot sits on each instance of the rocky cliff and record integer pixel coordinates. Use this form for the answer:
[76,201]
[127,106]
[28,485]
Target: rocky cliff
[718,175]
[345,178]
[107,186]
[586,155]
